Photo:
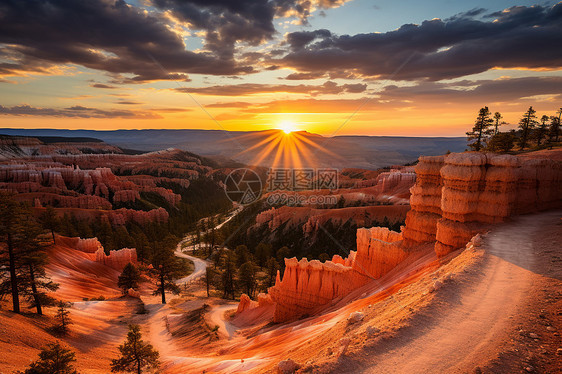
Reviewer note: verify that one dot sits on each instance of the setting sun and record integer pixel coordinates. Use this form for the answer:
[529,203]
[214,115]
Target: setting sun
[288,127]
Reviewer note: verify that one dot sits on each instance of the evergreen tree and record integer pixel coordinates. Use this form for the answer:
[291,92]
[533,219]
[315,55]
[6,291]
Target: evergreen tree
[63,317]
[166,268]
[527,124]
[242,255]
[33,259]
[228,275]
[542,129]
[263,252]
[53,359]
[272,268]
[247,278]
[282,254]
[481,129]
[554,128]
[129,278]
[50,221]
[502,142]
[209,278]
[135,354]
[10,217]
[497,118]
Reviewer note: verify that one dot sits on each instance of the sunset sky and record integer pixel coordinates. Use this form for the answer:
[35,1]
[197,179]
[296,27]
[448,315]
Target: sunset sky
[372,67]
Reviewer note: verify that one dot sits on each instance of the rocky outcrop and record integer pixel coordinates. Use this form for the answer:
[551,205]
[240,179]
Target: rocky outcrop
[89,245]
[379,250]
[425,201]
[117,259]
[455,196]
[307,285]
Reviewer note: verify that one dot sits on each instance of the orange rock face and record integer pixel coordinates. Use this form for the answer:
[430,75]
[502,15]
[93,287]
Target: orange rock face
[455,197]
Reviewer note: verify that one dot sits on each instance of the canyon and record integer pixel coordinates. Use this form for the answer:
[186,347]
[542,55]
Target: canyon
[455,197]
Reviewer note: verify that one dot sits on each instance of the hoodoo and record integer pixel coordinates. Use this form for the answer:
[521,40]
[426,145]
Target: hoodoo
[454,198]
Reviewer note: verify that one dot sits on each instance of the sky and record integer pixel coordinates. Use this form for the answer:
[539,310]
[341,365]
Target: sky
[332,67]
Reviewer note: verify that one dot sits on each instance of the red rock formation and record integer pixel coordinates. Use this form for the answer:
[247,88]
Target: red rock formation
[89,245]
[454,198]
[309,285]
[456,195]
[117,259]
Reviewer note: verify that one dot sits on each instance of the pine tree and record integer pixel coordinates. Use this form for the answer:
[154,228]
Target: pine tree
[527,124]
[32,260]
[263,252]
[63,317]
[272,268]
[501,142]
[50,221]
[10,215]
[242,255]
[135,354]
[166,268]
[130,277]
[541,130]
[209,278]
[247,278]
[228,275]
[53,359]
[554,128]
[497,118]
[481,129]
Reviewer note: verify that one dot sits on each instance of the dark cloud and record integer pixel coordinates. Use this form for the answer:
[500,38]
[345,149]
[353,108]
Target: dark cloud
[245,89]
[112,36]
[227,22]
[298,40]
[437,49]
[74,112]
[101,85]
[479,91]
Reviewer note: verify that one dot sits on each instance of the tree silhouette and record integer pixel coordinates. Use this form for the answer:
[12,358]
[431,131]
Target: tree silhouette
[50,221]
[527,124]
[53,359]
[10,214]
[228,275]
[135,354]
[129,278]
[247,278]
[501,142]
[272,267]
[166,268]
[497,118]
[481,129]
[541,130]
[554,128]
[32,260]
[63,317]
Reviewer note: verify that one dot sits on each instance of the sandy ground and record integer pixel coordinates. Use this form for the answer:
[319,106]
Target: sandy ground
[482,324]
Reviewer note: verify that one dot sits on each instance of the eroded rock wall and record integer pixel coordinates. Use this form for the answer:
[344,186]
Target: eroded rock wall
[457,195]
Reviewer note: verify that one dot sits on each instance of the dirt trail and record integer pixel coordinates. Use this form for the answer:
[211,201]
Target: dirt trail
[471,320]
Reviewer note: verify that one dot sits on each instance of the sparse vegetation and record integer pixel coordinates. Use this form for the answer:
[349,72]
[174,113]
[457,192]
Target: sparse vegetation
[135,354]
[53,359]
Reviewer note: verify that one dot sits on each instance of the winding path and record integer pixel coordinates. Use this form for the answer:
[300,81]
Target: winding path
[473,318]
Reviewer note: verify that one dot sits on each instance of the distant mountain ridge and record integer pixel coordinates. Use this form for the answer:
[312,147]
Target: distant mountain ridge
[367,152]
